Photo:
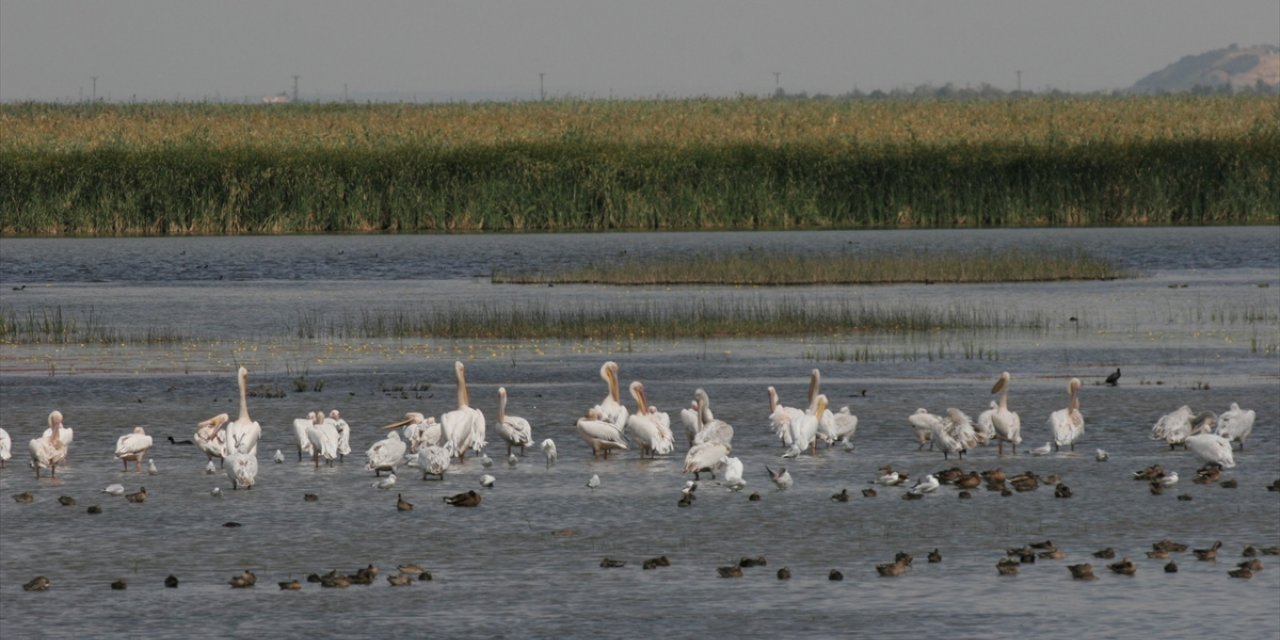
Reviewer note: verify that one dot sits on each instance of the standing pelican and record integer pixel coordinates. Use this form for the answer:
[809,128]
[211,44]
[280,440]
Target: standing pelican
[1235,424]
[843,425]
[611,408]
[647,431]
[243,470]
[922,425]
[599,433]
[419,430]
[65,435]
[244,433]
[954,433]
[514,429]
[323,437]
[386,454]
[1212,448]
[434,459]
[48,451]
[210,437]
[1067,424]
[1007,424]
[464,426]
[691,422]
[804,432]
[705,457]
[6,446]
[344,434]
[826,420]
[710,428]
[133,447]
[780,417]
[983,427]
[549,450]
[300,426]
[1174,427]
[732,473]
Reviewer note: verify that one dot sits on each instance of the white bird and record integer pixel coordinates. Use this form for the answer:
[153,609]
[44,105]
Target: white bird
[922,425]
[954,434]
[732,473]
[514,429]
[216,492]
[804,432]
[826,420]
[780,417]
[1211,447]
[600,434]
[210,468]
[242,468]
[210,437]
[710,428]
[435,459]
[244,433]
[983,427]
[1101,456]
[323,436]
[464,426]
[704,456]
[114,489]
[385,483]
[1006,424]
[1169,479]
[843,425]
[344,434]
[593,482]
[65,434]
[133,447]
[1067,425]
[691,422]
[611,408]
[512,460]
[6,446]
[385,454]
[419,430]
[689,487]
[485,460]
[151,467]
[647,431]
[48,451]
[890,479]
[300,426]
[1236,424]
[487,481]
[927,484]
[279,457]
[781,479]
[549,450]
[1043,451]
[1174,427]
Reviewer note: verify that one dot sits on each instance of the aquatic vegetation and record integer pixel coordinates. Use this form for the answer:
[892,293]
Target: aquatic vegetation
[52,326]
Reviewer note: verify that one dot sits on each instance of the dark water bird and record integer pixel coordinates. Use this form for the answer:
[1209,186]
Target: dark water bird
[1158,554]
[934,556]
[402,504]
[843,496]
[1062,491]
[411,569]
[1254,565]
[1208,554]
[1240,573]
[1125,567]
[964,495]
[654,563]
[232,524]
[903,557]
[686,500]
[94,509]
[1250,551]
[1007,567]
[400,580]
[1274,486]
[970,480]
[179,442]
[1229,484]
[911,495]
[1052,554]
[1208,474]
[290,585]
[1105,554]
[244,580]
[1114,379]
[1172,567]
[729,572]
[610,563]
[758,561]
[1043,544]
[25,497]
[139,496]
[171,582]
[66,501]
[1169,545]
[868,493]
[332,581]
[892,569]
[468,499]
[1185,497]
[784,573]
[310,497]
[754,497]
[119,585]
[38,583]
[1156,488]
[835,576]
[1082,571]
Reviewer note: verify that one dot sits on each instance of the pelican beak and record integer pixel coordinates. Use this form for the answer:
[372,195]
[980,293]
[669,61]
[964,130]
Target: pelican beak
[999,386]
[397,425]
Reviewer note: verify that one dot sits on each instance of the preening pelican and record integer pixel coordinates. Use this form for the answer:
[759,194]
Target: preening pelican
[1174,427]
[1211,447]
[344,434]
[611,408]
[826,420]
[647,431]
[133,447]
[210,437]
[954,433]
[549,450]
[300,426]
[419,431]
[385,454]
[983,427]
[6,447]
[435,459]
[710,428]
[1236,424]
[843,425]
[804,432]
[733,473]
[323,436]
[1007,424]
[243,470]
[705,457]
[600,434]
[780,417]
[48,451]
[65,435]
[464,426]
[691,421]
[514,429]
[244,433]
[922,425]
[1067,424]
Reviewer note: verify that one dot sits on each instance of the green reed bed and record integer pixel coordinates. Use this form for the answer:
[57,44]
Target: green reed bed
[52,326]
[582,165]
[877,267]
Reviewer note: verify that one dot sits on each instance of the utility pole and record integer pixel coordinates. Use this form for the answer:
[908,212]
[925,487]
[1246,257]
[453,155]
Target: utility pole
[344,93]
[295,88]
[1019,72]
[777,82]
[542,91]
[95,88]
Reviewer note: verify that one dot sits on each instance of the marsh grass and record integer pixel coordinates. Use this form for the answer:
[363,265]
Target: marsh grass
[53,326]
[755,267]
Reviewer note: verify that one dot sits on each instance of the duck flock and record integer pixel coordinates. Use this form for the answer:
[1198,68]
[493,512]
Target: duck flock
[431,448]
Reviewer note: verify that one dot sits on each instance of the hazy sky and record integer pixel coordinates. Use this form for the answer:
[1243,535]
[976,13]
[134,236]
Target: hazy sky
[162,49]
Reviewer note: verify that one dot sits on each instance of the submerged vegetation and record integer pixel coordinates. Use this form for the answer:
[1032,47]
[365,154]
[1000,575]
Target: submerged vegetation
[878,267]
[595,165]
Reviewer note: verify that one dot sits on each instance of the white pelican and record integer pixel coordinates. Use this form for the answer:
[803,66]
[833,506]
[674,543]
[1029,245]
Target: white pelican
[210,437]
[647,431]
[1236,424]
[804,432]
[243,470]
[385,483]
[922,425]
[419,430]
[843,425]
[826,419]
[48,451]
[732,473]
[279,457]
[114,490]
[954,434]
[514,429]
[1067,425]
[244,433]
[344,434]
[691,421]
[434,459]
[6,446]
[464,426]
[1175,427]
[1211,447]
[386,454]
[780,417]
[323,436]
[927,484]
[600,434]
[782,479]
[983,427]
[594,481]
[1007,424]
[710,428]
[487,481]
[705,457]
[66,434]
[300,426]
[611,408]
[549,450]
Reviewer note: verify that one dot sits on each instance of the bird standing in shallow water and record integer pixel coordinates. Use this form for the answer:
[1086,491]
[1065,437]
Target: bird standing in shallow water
[593,482]
[1114,379]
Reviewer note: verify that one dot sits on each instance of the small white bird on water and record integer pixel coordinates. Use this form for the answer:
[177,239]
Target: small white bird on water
[217,492]
[1169,479]
[782,478]
[114,489]
[487,481]
[512,460]
[549,450]
[1101,456]
[485,460]
[151,467]
[1042,451]
[594,481]
[279,457]
[387,482]
[927,484]
[210,468]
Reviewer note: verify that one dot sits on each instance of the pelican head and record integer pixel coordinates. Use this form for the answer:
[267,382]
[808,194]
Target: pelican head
[335,415]
[1203,423]
[773,399]
[1000,384]
[609,371]
[139,431]
[637,392]
[55,419]
[243,374]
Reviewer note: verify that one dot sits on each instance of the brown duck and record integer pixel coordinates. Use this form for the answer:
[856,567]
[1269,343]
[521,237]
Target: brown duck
[468,499]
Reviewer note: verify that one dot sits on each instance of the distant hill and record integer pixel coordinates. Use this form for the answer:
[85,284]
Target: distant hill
[1241,68]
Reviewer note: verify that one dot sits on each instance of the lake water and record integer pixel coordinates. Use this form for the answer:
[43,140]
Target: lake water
[498,569]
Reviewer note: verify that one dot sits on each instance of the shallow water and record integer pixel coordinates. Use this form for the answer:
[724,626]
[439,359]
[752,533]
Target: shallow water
[499,571]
